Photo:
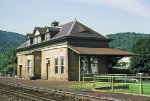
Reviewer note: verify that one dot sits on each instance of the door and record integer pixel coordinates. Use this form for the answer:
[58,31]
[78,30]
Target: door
[37,65]
[20,71]
[48,71]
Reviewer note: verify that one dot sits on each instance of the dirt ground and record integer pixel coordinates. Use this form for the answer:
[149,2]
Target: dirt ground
[63,85]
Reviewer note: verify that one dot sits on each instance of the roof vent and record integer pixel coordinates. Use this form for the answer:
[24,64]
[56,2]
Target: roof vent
[55,23]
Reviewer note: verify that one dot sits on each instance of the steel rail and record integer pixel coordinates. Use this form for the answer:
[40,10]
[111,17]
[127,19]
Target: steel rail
[26,95]
[78,95]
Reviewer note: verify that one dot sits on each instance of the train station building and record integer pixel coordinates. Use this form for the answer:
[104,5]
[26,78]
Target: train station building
[64,52]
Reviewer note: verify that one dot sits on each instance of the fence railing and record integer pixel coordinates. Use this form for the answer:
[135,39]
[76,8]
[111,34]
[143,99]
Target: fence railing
[117,78]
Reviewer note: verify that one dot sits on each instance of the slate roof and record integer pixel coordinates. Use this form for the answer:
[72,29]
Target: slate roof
[74,29]
[80,30]
[77,29]
[29,35]
[23,45]
[40,29]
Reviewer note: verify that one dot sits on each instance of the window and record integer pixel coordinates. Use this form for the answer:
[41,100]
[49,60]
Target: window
[56,69]
[31,41]
[84,65]
[29,63]
[56,65]
[56,60]
[35,40]
[28,42]
[39,39]
[62,60]
[29,66]
[94,64]
[47,36]
[62,64]
[62,69]
[42,37]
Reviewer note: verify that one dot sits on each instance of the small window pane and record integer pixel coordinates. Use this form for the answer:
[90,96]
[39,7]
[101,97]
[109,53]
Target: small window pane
[62,69]
[56,69]
[28,63]
[62,60]
[39,39]
[35,40]
[47,36]
[56,61]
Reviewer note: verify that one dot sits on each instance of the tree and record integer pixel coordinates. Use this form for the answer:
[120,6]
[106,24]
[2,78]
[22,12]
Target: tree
[11,69]
[141,62]
[7,58]
[112,61]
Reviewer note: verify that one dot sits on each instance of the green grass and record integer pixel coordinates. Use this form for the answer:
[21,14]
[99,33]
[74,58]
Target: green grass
[133,88]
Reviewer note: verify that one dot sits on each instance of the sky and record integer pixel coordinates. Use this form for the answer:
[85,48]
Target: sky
[104,16]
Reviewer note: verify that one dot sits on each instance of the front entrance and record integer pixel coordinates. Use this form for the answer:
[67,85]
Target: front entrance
[37,65]
[20,71]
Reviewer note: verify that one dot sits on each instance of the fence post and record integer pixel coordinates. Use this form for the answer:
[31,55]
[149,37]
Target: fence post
[112,84]
[141,85]
[110,81]
[126,79]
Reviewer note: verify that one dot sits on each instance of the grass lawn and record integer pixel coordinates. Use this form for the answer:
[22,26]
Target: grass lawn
[118,87]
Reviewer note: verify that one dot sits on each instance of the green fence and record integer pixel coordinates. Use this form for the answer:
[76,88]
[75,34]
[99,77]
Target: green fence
[132,83]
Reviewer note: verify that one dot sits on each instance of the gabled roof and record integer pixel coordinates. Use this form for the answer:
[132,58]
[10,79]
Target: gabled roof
[40,29]
[29,35]
[71,29]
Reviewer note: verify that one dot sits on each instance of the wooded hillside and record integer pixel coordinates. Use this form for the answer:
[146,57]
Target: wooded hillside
[125,40]
[9,40]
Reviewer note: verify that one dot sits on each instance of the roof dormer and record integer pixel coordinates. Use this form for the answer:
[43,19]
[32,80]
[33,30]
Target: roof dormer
[38,31]
[52,30]
[29,35]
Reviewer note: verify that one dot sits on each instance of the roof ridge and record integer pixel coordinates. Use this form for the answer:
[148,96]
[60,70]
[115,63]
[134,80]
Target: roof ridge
[71,27]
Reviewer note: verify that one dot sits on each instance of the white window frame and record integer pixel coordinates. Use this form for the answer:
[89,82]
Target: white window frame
[62,65]
[56,65]
[29,66]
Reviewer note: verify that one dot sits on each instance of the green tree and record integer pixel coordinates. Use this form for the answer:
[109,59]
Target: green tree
[7,58]
[141,62]
[125,40]
[11,69]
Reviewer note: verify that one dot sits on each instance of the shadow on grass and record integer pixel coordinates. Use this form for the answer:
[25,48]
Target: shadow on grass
[115,87]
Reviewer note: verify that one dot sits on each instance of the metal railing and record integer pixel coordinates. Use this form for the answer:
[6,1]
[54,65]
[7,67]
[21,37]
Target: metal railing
[116,78]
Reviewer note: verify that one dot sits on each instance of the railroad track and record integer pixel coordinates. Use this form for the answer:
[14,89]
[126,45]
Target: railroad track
[41,94]
[26,95]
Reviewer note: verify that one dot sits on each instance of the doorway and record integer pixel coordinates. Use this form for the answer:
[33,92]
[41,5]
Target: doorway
[37,65]
[20,71]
